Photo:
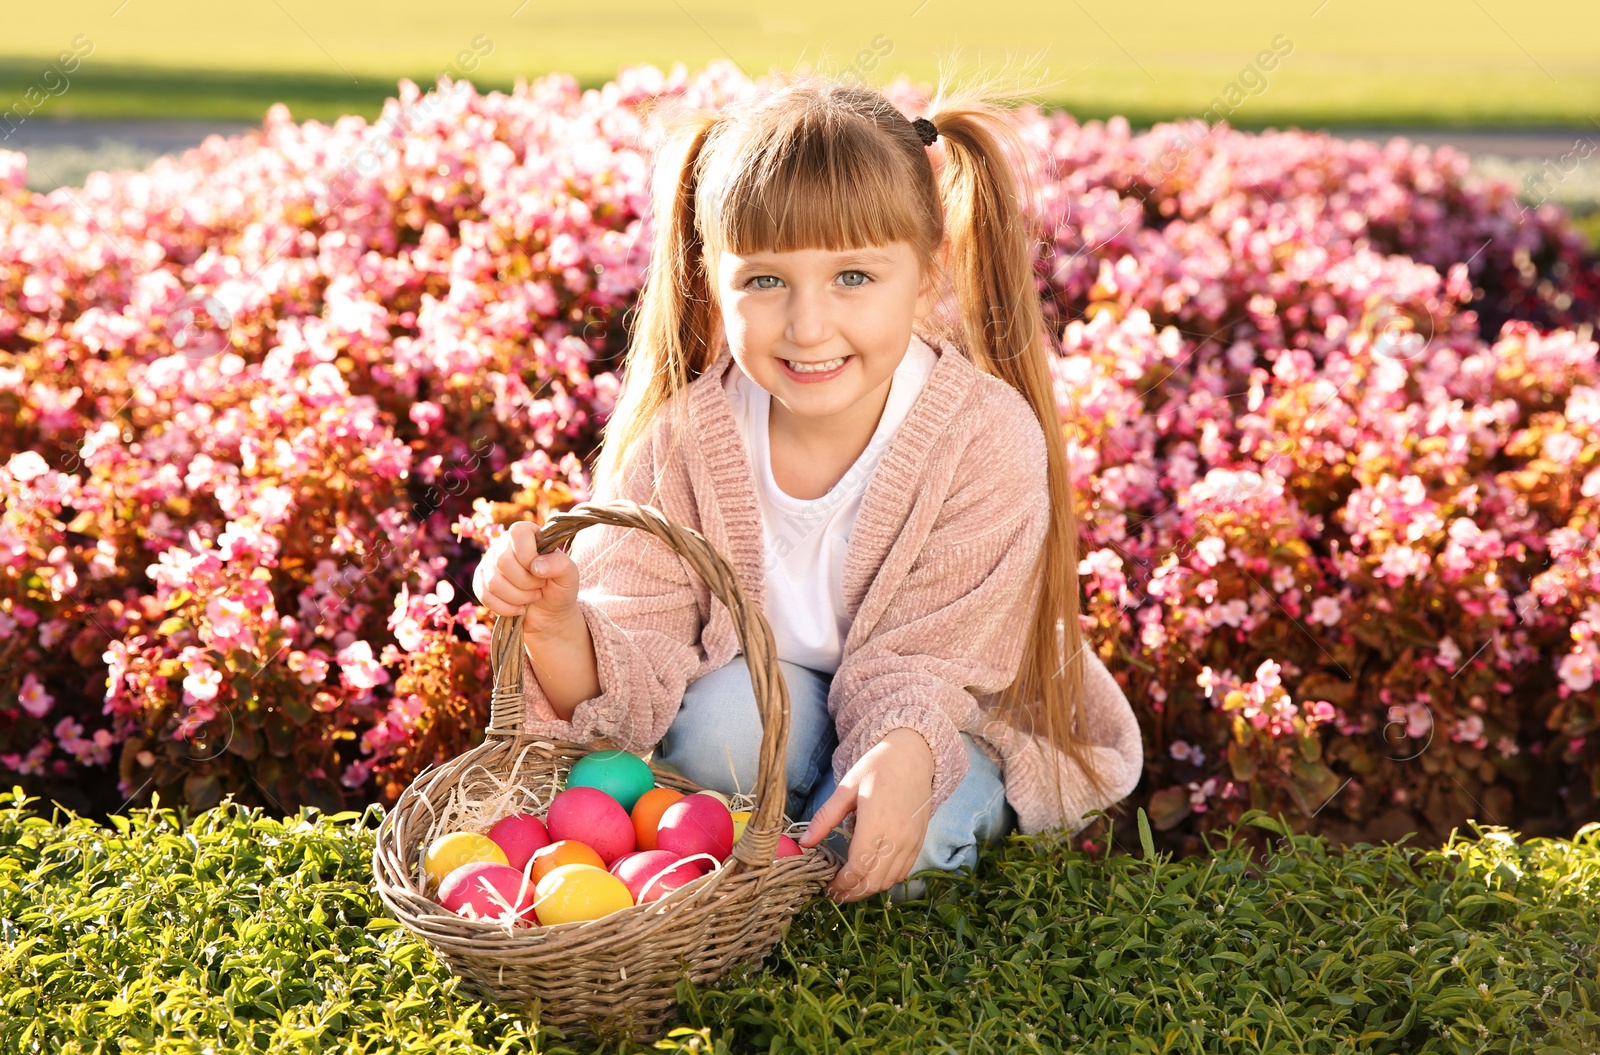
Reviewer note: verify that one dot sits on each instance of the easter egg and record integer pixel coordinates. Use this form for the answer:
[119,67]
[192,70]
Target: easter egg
[696,824]
[519,835]
[579,892]
[649,874]
[449,852]
[719,796]
[740,819]
[547,859]
[591,816]
[473,888]
[787,847]
[619,774]
[647,814]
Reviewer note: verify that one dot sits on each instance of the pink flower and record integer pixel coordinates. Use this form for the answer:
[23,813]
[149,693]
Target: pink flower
[1182,750]
[356,774]
[1562,447]
[312,666]
[358,668]
[427,416]
[1469,728]
[203,681]
[1267,675]
[27,466]
[1320,712]
[1576,669]
[1418,718]
[33,697]
[31,764]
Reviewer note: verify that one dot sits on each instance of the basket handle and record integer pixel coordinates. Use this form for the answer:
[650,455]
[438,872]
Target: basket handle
[759,843]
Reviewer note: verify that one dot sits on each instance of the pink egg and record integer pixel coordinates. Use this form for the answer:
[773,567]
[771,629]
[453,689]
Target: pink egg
[649,874]
[787,847]
[696,824]
[469,886]
[589,815]
[519,835]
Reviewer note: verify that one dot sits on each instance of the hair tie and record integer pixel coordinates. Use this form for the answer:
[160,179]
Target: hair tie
[925,130]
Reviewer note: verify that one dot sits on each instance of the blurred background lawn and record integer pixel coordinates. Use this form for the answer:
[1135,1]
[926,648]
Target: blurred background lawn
[1374,62]
[1517,85]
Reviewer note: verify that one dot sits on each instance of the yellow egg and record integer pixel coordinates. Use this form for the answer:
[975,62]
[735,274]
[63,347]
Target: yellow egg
[578,892]
[450,852]
[740,819]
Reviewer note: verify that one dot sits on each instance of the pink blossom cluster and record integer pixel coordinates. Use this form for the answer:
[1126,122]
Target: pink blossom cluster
[1303,445]
[1332,410]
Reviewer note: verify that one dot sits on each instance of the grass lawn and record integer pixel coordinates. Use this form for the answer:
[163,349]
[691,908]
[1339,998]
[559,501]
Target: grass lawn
[1336,61]
[235,932]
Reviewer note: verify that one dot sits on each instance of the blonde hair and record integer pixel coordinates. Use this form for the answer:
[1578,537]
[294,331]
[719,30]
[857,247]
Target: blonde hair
[818,164]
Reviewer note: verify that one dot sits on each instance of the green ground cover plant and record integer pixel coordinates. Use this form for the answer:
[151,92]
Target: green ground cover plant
[234,931]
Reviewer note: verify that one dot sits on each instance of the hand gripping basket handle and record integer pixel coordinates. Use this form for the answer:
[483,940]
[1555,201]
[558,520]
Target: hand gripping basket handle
[755,849]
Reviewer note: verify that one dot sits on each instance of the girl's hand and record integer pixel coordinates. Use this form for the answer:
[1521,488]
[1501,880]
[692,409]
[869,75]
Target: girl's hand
[891,791]
[515,578]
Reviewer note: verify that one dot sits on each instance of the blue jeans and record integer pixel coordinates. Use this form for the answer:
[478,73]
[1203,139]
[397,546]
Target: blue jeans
[716,741]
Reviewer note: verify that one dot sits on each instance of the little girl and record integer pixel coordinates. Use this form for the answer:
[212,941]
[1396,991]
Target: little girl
[891,489]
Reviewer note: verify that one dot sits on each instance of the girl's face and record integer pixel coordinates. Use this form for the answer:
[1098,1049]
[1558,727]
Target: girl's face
[851,312]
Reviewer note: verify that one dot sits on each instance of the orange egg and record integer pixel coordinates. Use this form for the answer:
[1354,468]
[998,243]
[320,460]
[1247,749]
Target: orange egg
[547,859]
[579,892]
[647,814]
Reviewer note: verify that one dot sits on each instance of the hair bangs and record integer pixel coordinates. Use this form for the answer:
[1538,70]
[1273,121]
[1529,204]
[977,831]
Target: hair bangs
[816,183]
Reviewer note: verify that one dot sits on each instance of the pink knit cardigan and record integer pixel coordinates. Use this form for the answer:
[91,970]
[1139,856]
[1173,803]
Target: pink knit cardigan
[935,585]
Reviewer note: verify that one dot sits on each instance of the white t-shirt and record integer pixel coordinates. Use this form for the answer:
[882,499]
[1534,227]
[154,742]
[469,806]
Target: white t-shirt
[805,539]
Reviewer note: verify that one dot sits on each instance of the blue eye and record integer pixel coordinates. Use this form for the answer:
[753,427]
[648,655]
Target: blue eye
[756,280]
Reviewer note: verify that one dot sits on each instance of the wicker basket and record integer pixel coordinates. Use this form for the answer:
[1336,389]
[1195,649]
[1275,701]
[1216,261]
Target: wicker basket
[615,976]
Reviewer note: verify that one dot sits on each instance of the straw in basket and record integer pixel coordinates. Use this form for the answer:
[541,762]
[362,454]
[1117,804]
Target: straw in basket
[614,976]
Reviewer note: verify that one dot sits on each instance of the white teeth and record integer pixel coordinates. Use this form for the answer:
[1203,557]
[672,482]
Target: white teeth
[816,368]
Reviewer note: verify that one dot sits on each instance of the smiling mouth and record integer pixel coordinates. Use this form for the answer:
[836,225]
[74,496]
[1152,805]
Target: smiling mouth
[817,368]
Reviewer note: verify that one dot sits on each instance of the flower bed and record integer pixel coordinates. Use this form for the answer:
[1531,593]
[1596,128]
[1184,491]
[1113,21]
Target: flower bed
[261,407]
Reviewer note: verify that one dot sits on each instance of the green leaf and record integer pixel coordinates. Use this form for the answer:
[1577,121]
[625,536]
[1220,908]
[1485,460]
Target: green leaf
[202,790]
[1241,762]
[296,710]
[1146,840]
[1168,807]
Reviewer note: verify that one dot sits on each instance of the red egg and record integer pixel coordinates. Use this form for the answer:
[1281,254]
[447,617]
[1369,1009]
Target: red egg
[787,847]
[648,874]
[619,862]
[696,824]
[467,890]
[519,835]
[589,815]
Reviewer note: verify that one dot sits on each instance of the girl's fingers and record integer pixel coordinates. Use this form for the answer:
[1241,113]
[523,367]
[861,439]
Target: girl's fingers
[508,601]
[829,815]
[558,567]
[523,545]
[512,570]
[879,866]
[863,869]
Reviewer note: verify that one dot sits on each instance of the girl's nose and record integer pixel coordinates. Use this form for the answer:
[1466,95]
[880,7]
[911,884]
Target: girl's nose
[809,323]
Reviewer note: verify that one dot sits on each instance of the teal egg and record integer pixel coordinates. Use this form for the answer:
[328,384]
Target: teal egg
[617,773]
